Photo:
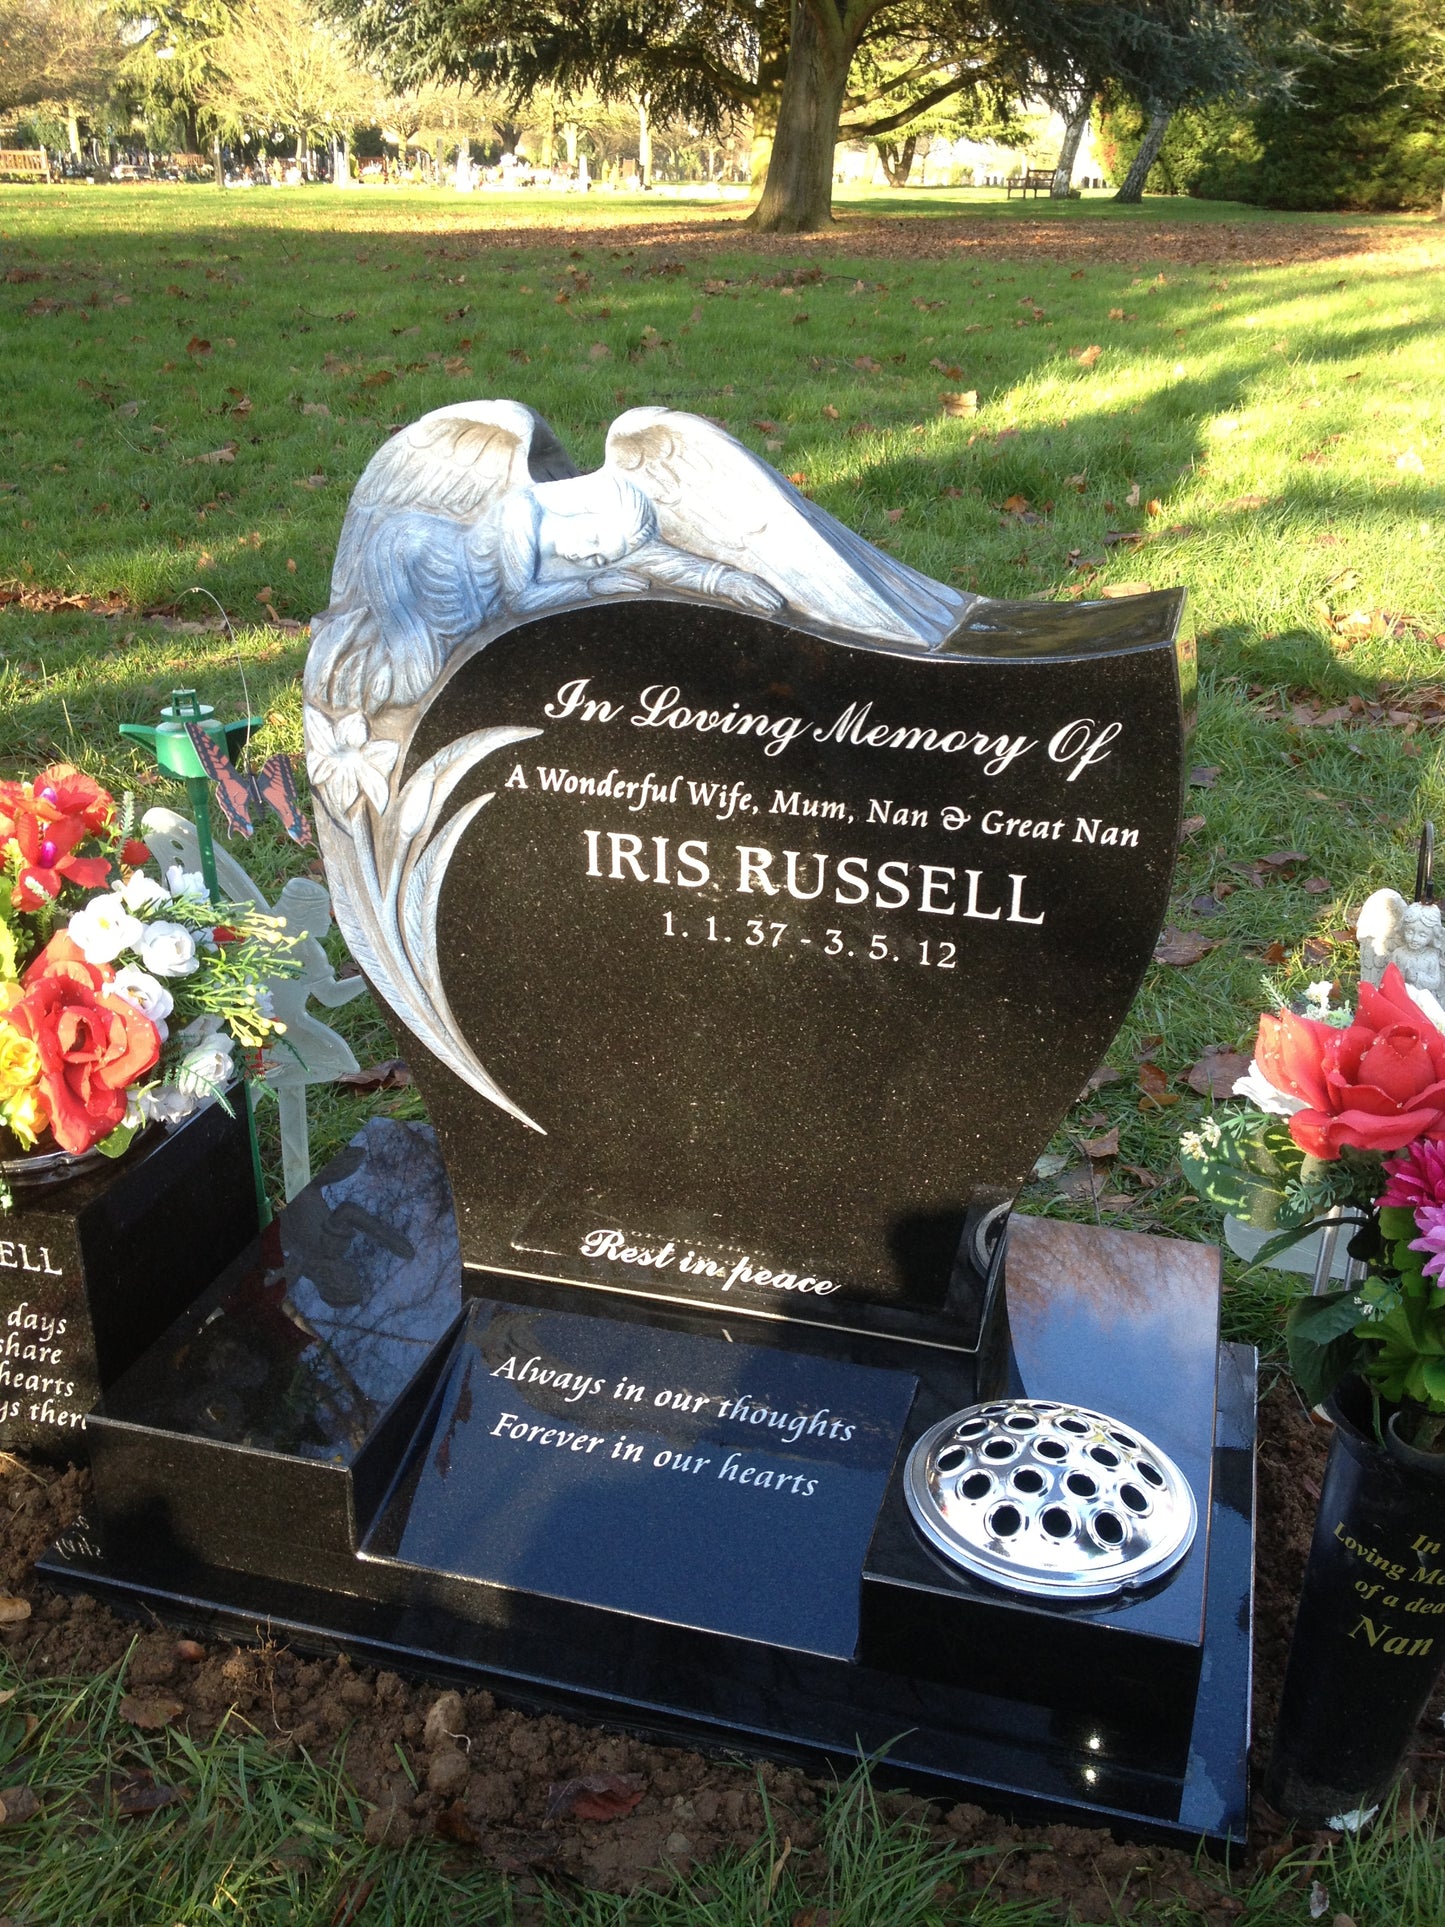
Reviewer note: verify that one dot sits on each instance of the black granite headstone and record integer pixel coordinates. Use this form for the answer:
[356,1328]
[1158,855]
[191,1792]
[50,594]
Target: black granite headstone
[788,952]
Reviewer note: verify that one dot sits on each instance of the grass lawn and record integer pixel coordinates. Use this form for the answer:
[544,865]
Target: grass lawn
[1247,404]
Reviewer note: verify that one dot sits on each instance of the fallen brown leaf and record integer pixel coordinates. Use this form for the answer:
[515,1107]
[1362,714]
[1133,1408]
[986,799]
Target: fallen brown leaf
[1182,947]
[868,365]
[1152,1080]
[452,1824]
[1105,1074]
[391,1074]
[1086,357]
[1113,591]
[597,1796]
[1104,1146]
[149,1714]
[1203,776]
[315,408]
[197,348]
[17,1805]
[1131,500]
[1317,886]
[830,412]
[12,1610]
[226,453]
[1191,826]
[191,1651]
[1016,505]
[965,402]
[352,1900]
[140,1796]
[1275,953]
[1216,1071]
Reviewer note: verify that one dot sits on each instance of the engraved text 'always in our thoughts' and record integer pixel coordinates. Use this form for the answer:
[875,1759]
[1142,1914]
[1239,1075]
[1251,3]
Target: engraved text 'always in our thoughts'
[1081,742]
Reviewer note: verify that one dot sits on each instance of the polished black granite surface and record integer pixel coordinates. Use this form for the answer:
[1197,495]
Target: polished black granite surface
[789,951]
[359,1492]
[305,1343]
[92,1270]
[760,1472]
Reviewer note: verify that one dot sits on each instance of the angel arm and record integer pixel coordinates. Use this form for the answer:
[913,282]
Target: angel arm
[660,562]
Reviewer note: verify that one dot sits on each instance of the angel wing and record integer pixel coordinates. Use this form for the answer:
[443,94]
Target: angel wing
[715,498]
[1378,931]
[406,586]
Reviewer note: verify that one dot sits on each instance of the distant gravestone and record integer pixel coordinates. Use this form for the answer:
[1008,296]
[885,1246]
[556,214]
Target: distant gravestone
[750,907]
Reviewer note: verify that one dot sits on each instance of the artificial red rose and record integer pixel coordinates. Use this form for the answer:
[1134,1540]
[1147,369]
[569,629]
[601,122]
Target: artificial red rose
[1376,1086]
[12,796]
[47,849]
[63,957]
[92,1047]
[134,853]
[63,790]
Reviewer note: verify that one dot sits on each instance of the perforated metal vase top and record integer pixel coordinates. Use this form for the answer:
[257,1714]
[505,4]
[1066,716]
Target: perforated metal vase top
[1048,1499]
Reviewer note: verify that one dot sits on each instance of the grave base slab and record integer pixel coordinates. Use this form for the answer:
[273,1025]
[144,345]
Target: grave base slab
[352,1443]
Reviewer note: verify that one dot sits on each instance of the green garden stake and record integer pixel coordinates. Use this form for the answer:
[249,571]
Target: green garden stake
[176,754]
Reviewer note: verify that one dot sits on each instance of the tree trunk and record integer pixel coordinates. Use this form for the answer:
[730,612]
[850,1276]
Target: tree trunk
[569,134]
[897,158]
[644,143]
[773,28]
[1074,126]
[72,128]
[798,193]
[218,162]
[1133,188]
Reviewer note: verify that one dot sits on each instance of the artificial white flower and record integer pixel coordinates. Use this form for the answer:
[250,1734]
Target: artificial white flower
[164,1104]
[167,949]
[139,890]
[344,759]
[147,993]
[1255,1086]
[103,927]
[1318,995]
[187,883]
[207,1068]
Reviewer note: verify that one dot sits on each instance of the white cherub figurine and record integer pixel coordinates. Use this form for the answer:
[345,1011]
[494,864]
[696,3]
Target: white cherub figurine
[308,1051]
[1409,935]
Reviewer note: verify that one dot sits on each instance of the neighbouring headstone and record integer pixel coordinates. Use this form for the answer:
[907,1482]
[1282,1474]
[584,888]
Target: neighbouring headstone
[750,907]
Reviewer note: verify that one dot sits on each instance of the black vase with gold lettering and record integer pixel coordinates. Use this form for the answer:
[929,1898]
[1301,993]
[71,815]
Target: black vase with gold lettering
[1369,1643]
[95,1264]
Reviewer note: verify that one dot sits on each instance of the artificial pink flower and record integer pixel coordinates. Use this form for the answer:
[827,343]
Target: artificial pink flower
[1418,1178]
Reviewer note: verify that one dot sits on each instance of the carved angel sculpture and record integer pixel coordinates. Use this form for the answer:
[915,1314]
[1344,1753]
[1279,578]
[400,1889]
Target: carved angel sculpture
[475,513]
[1392,931]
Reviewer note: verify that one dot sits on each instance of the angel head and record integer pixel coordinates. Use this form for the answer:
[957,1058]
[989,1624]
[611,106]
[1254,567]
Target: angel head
[1420,926]
[587,522]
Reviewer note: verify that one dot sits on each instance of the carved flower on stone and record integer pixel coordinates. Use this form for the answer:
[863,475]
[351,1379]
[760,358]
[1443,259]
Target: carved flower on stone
[344,760]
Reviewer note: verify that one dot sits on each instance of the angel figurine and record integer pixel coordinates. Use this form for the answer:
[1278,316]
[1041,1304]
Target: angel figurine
[1392,931]
[475,514]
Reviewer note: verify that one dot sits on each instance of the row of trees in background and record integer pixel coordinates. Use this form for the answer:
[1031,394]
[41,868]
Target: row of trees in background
[812,72]
[185,75]
[1289,102]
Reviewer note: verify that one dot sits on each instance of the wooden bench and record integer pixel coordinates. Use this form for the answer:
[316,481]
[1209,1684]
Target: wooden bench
[1034,180]
[26,163]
